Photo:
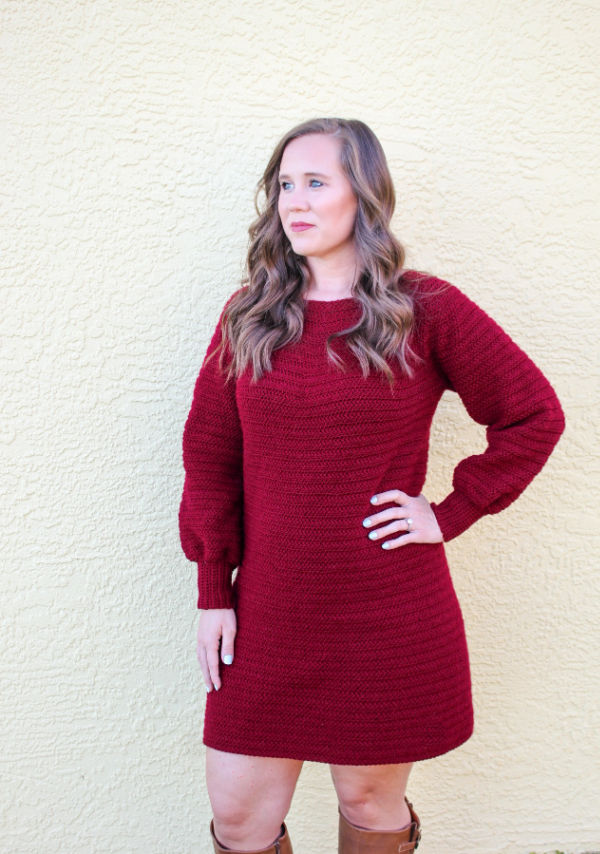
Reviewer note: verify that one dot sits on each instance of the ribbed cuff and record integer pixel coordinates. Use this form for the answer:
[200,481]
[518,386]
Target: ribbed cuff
[455,514]
[214,585]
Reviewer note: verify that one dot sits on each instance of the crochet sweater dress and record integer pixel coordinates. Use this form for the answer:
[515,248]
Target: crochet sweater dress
[346,652]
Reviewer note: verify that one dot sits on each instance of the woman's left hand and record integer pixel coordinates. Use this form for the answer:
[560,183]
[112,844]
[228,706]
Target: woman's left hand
[411,514]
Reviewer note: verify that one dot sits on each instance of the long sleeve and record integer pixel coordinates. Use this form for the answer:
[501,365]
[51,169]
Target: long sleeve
[501,388]
[210,513]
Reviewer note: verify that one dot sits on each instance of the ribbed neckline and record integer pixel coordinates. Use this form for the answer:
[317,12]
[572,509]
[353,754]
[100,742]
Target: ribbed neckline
[329,305]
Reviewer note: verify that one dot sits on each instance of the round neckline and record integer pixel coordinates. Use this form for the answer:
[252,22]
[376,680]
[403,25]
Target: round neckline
[331,311]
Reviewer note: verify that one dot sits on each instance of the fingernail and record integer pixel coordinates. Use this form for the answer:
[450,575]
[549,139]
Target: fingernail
[374,499]
[228,658]
[367,522]
[208,687]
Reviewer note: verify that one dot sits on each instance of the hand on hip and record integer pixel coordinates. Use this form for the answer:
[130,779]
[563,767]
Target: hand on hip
[411,515]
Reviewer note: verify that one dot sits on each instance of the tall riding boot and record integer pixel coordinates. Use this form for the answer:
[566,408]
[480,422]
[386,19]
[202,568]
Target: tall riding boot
[282,844]
[358,840]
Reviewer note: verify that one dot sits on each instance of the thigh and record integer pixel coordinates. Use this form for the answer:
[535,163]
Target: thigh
[250,781]
[353,781]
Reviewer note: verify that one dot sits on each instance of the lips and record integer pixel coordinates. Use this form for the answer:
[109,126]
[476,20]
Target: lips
[300,226]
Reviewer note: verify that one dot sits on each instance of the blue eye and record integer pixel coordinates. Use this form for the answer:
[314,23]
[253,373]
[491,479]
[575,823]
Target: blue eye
[312,180]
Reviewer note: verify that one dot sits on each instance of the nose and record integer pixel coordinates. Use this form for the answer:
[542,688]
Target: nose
[296,200]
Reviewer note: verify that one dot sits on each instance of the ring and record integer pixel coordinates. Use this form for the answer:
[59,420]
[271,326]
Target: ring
[409,523]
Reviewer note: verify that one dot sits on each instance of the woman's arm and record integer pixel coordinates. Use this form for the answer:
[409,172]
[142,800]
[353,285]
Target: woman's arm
[504,390]
[210,513]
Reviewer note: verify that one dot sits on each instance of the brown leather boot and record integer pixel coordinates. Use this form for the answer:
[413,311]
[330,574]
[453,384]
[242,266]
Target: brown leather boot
[357,840]
[282,844]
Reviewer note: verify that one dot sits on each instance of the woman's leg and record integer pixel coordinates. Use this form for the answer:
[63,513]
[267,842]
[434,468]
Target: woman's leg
[250,797]
[372,796]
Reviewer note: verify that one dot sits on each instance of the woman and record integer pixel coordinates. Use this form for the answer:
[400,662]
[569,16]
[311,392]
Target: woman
[305,451]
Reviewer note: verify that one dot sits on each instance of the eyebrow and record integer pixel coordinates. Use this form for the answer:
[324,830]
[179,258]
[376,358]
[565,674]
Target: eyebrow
[319,174]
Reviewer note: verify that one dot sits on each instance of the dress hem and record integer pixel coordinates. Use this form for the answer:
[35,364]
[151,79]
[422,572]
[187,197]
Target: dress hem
[343,759]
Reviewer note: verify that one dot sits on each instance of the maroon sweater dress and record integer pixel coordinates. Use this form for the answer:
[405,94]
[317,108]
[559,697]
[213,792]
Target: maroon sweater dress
[345,652]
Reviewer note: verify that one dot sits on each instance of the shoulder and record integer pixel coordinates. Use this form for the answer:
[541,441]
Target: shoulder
[219,333]
[232,302]
[440,302]
[234,297]
[430,290]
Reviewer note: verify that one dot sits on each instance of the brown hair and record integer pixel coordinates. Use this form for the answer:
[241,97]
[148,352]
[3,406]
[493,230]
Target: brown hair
[267,313]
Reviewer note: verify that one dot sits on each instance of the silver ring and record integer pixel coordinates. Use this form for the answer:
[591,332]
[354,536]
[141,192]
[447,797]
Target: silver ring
[409,523]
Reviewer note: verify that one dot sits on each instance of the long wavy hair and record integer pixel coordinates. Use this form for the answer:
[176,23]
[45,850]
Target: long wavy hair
[267,312]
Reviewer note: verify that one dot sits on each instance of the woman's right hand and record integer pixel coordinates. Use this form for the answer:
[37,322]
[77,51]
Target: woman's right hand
[215,623]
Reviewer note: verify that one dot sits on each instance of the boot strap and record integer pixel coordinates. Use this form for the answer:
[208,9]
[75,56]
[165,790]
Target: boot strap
[415,832]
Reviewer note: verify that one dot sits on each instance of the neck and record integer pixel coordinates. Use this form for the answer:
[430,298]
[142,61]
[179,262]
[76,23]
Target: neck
[330,278]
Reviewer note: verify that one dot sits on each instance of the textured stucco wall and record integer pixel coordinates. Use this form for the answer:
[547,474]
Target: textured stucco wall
[133,134]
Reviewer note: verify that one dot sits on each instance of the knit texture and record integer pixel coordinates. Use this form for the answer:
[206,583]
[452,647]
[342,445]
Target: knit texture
[346,652]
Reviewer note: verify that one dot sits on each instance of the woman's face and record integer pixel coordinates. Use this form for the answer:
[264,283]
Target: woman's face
[314,190]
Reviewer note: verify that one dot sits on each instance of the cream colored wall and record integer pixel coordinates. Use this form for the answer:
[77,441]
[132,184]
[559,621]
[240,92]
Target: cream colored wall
[133,135]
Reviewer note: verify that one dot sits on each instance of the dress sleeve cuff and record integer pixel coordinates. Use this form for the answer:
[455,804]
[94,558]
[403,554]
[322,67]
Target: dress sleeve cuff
[455,514]
[214,586]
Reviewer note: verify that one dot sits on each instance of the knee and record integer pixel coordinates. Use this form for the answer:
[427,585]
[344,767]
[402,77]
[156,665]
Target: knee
[363,791]
[356,797]
[230,814]
[249,796]
[238,812]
